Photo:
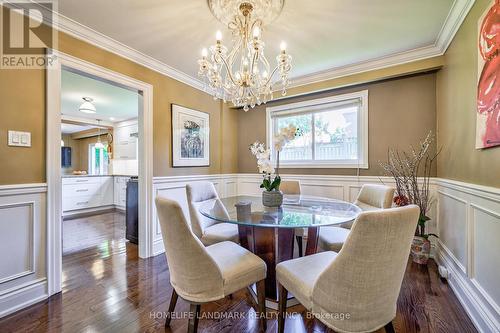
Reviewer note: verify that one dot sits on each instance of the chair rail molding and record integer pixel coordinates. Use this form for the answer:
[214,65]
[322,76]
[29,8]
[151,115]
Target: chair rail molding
[23,279]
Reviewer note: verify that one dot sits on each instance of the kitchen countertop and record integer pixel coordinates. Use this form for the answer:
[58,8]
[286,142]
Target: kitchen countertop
[76,176]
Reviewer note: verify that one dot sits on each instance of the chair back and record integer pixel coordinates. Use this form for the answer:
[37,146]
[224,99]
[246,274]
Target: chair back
[199,194]
[365,278]
[290,187]
[375,196]
[193,273]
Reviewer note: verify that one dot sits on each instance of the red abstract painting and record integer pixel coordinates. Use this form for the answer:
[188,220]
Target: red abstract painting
[488,87]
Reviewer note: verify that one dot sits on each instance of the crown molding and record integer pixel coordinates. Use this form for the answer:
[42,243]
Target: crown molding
[366,66]
[455,17]
[82,32]
[454,20]
[102,41]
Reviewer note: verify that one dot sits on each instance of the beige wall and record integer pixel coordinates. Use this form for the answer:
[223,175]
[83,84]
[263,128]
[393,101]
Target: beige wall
[456,110]
[22,108]
[22,93]
[401,113]
[80,151]
[75,153]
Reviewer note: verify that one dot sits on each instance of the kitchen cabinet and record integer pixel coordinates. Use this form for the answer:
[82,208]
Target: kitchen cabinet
[86,192]
[120,191]
[126,141]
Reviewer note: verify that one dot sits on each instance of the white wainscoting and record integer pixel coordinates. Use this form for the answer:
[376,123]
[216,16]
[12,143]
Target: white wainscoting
[175,188]
[23,279]
[466,216]
[469,247]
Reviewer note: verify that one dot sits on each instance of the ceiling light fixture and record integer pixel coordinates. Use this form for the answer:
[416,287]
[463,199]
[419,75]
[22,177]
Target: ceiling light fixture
[98,144]
[87,106]
[243,75]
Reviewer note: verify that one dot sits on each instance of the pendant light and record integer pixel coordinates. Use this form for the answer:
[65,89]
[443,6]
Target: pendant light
[87,106]
[98,144]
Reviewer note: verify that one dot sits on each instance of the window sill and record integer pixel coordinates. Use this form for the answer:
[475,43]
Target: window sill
[323,166]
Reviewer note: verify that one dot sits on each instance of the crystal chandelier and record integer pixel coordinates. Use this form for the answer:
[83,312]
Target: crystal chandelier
[242,74]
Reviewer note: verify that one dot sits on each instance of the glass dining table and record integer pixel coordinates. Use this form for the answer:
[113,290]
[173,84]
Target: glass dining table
[269,232]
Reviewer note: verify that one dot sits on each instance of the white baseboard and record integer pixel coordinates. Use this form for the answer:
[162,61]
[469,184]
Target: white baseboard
[23,296]
[94,210]
[478,310]
[469,226]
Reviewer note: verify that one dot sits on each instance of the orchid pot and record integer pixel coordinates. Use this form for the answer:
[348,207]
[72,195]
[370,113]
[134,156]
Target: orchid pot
[272,198]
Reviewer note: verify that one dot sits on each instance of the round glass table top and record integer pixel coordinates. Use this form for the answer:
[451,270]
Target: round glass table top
[297,211]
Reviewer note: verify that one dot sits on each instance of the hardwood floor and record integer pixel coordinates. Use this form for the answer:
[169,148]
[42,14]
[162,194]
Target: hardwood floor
[107,288]
[92,231]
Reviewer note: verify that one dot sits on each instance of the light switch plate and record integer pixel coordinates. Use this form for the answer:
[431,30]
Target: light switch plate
[19,139]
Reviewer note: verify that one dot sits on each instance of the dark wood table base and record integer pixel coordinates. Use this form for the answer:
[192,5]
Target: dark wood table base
[274,245]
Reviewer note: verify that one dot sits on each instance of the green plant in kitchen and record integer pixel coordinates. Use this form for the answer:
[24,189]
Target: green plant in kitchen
[412,172]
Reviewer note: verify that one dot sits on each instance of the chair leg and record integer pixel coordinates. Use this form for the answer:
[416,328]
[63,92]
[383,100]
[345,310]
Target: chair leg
[261,297]
[283,296]
[194,317]
[171,307]
[389,328]
[299,244]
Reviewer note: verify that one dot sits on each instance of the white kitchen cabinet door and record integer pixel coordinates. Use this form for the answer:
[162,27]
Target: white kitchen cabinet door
[120,191]
[125,142]
[106,191]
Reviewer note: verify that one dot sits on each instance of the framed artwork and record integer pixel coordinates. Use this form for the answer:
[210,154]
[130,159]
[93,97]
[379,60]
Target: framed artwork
[190,137]
[488,86]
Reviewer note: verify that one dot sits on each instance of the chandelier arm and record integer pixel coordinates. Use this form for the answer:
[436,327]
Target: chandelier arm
[228,69]
[271,75]
[253,63]
[266,63]
[230,58]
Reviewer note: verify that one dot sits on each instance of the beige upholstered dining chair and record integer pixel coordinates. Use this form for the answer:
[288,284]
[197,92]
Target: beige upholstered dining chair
[206,229]
[374,197]
[355,290]
[292,187]
[370,197]
[200,274]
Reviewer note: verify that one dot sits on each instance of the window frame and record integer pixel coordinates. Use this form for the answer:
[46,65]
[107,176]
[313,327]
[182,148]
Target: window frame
[91,160]
[288,109]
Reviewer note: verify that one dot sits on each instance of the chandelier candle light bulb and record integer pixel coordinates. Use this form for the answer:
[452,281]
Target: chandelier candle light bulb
[242,74]
[283,47]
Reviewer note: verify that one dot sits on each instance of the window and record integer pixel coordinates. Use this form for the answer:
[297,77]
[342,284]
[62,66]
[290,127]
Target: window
[334,132]
[98,160]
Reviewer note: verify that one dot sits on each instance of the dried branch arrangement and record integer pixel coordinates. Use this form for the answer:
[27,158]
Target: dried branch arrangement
[405,167]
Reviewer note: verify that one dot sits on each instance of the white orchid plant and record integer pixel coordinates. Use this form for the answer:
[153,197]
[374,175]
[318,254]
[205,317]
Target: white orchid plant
[263,157]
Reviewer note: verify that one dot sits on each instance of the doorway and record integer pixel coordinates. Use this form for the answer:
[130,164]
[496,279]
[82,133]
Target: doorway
[55,207]
[99,164]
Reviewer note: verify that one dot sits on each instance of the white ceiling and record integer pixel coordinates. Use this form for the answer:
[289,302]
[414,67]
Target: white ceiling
[111,101]
[322,35]
[74,128]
